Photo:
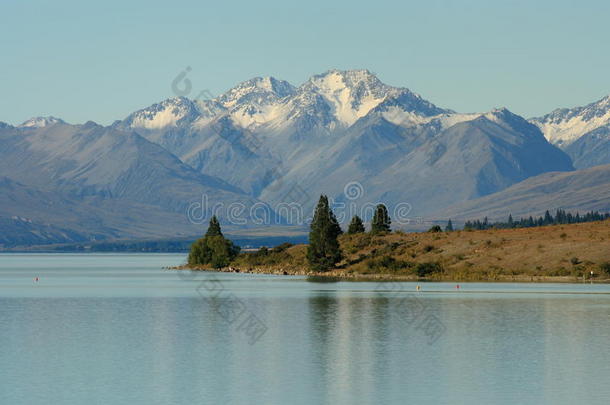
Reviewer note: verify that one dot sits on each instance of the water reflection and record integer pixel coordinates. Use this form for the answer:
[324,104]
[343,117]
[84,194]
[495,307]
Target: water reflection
[325,343]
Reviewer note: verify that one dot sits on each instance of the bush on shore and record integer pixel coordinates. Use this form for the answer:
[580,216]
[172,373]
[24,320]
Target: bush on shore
[213,249]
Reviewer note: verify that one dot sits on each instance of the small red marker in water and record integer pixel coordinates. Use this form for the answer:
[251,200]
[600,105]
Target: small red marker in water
[36,279]
[457,287]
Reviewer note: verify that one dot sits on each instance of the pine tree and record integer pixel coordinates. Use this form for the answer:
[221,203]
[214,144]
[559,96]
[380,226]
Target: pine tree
[355,226]
[381,220]
[214,228]
[511,223]
[323,251]
[449,227]
[548,219]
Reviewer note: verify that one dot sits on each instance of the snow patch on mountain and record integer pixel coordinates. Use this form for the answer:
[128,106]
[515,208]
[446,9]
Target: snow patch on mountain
[40,122]
[258,91]
[397,116]
[351,94]
[164,114]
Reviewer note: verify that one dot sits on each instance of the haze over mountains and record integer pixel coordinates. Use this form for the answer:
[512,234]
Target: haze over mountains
[267,141]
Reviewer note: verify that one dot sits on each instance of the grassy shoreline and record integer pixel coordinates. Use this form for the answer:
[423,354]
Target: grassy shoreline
[559,253]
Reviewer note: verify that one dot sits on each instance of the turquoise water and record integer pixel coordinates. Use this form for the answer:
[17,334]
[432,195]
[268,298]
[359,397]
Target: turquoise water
[117,329]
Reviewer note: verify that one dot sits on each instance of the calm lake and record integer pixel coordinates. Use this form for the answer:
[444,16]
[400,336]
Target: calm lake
[118,329]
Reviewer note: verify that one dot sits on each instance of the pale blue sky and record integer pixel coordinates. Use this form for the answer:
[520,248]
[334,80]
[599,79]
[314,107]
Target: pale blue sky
[82,60]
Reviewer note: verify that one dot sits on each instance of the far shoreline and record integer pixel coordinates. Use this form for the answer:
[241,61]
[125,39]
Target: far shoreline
[334,276]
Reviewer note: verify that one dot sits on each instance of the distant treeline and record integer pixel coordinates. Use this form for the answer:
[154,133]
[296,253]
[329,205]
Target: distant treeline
[561,217]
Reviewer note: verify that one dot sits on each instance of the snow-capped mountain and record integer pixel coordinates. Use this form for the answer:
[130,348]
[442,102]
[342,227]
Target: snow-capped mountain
[259,91]
[259,128]
[265,136]
[168,113]
[330,100]
[565,125]
[352,94]
[40,122]
[583,132]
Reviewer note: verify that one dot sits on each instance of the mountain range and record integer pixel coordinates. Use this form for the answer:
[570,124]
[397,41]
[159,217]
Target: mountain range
[268,143]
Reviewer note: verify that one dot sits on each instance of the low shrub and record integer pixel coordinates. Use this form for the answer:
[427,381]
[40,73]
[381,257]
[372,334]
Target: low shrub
[428,268]
[387,263]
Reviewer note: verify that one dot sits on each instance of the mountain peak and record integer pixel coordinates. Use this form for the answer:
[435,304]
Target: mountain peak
[40,122]
[359,74]
[351,94]
[563,126]
[504,117]
[258,90]
[335,79]
[501,113]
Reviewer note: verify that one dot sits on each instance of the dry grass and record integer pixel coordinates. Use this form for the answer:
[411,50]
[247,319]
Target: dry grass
[553,253]
[567,251]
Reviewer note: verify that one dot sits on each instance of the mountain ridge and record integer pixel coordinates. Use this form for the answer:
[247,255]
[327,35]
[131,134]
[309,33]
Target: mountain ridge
[267,141]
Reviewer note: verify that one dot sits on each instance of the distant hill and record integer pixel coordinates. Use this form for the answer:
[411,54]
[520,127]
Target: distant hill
[582,190]
[87,182]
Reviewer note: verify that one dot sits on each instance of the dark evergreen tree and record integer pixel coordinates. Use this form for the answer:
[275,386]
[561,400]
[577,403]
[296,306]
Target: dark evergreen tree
[449,227]
[381,220]
[214,228]
[511,223]
[323,251]
[335,224]
[548,219]
[356,225]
